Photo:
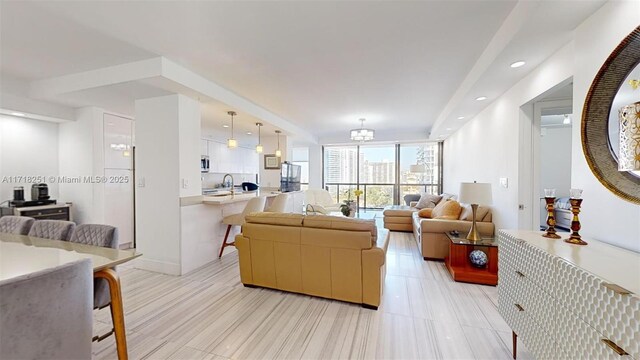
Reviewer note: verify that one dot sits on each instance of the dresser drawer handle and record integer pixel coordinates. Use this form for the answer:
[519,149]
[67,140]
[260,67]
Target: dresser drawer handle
[617,289]
[620,351]
[520,308]
[519,273]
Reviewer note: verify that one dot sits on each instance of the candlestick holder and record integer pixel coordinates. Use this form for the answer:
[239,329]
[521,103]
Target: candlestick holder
[551,219]
[575,237]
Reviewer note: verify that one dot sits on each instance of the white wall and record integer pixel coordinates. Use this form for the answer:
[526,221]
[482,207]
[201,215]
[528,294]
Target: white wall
[555,160]
[167,158]
[158,200]
[315,166]
[271,178]
[28,148]
[487,147]
[81,155]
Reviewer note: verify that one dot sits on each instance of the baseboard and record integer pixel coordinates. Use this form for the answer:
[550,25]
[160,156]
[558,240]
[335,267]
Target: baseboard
[157,266]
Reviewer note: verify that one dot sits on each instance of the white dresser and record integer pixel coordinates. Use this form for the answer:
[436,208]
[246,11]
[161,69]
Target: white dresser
[567,301]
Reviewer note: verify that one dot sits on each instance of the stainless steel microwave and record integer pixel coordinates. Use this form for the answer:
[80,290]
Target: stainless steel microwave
[204,164]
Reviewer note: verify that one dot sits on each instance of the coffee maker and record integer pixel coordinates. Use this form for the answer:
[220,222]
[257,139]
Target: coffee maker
[39,192]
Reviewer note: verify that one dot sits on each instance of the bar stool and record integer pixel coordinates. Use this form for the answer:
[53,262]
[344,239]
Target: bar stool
[280,204]
[254,205]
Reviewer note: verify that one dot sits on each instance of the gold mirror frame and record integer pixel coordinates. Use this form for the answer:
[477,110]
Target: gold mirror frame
[595,119]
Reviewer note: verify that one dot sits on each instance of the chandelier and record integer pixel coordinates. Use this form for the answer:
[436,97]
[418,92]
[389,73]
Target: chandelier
[362,134]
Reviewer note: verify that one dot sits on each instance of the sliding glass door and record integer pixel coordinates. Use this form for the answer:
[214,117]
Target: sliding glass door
[385,173]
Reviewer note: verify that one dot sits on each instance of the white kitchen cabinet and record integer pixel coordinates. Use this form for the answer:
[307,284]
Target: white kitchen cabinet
[118,134]
[234,161]
[204,147]
[118,203]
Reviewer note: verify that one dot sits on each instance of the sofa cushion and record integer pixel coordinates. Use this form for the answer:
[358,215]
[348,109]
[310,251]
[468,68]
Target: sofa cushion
[286,219]
[448,209]
[425,213]
[341,223]
[399,210]
[446,196]
[428,201]
[482,214]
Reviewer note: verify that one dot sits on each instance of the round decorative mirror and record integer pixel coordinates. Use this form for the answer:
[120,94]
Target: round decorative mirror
[611,121]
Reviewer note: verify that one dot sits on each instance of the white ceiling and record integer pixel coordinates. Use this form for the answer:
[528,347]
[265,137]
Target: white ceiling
[320,65]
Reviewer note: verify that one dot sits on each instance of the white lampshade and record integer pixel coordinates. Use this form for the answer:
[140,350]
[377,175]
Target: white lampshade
[232,143]
[259,149]
[278,153]
[475,193]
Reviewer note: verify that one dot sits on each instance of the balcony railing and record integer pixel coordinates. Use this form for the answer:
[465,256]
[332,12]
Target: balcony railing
[377,196]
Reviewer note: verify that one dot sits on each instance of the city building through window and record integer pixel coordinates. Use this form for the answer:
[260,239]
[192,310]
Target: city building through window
[385,173]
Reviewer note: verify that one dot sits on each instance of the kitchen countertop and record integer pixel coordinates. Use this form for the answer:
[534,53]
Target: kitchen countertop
[229,199]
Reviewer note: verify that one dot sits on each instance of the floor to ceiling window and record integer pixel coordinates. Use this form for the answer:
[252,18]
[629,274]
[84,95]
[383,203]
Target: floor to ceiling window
[385,173]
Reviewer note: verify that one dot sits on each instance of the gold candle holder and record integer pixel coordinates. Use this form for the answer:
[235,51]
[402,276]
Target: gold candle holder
[550,198]
[551,219]
[575,237]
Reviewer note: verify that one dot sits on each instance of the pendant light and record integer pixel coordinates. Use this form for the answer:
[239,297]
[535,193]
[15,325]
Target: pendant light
[259,148]
[231,142]
[278,151]
[362,134]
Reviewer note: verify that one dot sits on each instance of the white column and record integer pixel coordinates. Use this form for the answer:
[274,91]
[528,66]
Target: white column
[315,166]
[167,168]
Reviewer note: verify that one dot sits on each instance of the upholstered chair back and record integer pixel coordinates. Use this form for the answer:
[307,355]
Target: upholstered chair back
[52,229]
[19,225]
[103,236]
[318,197]
[280,204]
[256,204]
[47,314]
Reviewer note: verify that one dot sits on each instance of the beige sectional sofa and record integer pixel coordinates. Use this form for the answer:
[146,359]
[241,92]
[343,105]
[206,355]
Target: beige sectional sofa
[430,233]
[327,256]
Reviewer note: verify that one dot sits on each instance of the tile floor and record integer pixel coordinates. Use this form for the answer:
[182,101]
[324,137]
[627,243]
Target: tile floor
[208,314]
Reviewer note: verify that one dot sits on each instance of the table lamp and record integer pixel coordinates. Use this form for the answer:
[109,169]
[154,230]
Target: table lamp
[475,194]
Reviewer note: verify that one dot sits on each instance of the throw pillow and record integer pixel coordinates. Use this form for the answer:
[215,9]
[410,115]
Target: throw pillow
[446,196]
[428,201]
[425,213]
[449,210]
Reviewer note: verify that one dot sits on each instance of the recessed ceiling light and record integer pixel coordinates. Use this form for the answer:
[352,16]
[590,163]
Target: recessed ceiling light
[14,113]
[248,132]
[225,126]
[480,98]
[460,117]
[517,64]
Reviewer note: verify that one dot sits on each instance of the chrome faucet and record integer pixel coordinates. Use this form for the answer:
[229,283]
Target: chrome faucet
[232,183]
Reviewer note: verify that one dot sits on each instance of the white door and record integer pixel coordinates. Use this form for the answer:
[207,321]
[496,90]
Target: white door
[118,203]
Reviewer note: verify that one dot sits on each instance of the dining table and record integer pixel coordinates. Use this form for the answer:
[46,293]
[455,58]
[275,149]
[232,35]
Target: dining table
[22,255]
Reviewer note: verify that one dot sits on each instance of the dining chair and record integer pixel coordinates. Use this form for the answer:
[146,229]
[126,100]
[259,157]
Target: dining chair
[103,236]
[280,204]
[18,225]
[47,314]
[256,204]
[52,229]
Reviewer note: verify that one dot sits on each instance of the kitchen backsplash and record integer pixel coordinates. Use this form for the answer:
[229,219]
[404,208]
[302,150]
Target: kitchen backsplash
[212,180]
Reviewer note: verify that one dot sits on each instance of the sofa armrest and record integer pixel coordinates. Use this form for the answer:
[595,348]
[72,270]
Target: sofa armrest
[244,258]
[443,226]
[374,270]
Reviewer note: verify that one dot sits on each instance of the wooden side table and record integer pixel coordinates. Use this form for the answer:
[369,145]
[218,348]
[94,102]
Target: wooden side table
[460,266]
